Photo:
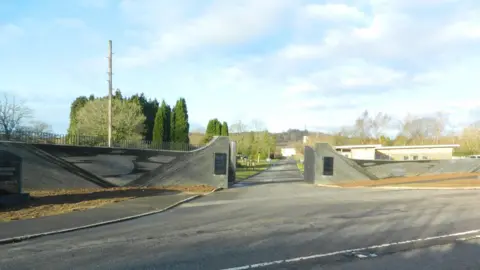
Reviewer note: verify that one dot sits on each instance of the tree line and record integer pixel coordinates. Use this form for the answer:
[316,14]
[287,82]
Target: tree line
[215,128]
[17,118]
[253,139]
[382,128]
[134,118]
[171,124]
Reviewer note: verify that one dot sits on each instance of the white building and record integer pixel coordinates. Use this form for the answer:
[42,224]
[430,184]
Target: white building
[288,152]
[408,152]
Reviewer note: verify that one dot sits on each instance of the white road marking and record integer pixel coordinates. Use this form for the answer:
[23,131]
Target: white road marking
[331,186]
[428,188]
[468,238]
[340,252]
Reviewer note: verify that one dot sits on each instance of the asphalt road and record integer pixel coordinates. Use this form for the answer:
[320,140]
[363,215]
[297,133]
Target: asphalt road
[274,217]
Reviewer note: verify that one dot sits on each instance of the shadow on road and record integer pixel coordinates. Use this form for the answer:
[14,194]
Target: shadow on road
[71,198]
[247,183]
[457,255]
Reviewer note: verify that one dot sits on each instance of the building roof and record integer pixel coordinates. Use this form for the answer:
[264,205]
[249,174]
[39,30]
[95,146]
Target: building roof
[358,146]
[419,146]
[380,147]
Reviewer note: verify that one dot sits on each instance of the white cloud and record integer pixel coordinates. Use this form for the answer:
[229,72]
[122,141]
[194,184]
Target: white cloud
[94,3]
[394,56]
[70,23]
[467,26]
[294,62]
[300,88]
[9,32]
[301,52]
[222,23]
[353,74]
[334,12]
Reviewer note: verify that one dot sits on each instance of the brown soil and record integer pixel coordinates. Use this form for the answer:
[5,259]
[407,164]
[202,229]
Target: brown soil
[55,202]
[441,180]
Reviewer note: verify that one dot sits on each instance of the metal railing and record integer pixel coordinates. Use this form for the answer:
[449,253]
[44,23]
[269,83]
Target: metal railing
[94,141]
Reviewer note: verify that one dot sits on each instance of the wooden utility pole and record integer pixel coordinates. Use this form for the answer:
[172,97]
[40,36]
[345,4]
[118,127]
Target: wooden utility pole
[110,93]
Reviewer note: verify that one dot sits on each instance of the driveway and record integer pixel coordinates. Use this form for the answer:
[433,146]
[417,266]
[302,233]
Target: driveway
[272,217]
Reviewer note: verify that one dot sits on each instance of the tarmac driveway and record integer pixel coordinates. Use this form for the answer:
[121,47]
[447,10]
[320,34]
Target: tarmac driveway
[270,217]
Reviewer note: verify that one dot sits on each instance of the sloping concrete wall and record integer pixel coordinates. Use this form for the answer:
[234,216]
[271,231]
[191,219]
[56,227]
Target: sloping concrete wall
[392,168]
[309,165]
[344,169]
[140,167]
[42,174]
[191,168]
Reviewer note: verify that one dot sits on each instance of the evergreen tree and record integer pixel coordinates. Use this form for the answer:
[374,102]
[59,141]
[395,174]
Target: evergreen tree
[167,136]
[149,108]
[172,124]
[118,94]
[210,131]
[77,104]
[160,128]
[181,127]
[210,128]
[218,128]
[224,129]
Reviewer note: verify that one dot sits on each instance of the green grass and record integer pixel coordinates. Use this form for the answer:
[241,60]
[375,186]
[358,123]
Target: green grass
[300,166]
[245,172]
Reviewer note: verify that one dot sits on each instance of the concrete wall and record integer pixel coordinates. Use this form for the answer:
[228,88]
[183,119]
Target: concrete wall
[233,162]
[345,170]
[41,173]
[393,168]
[363,153]
[309,165]
[138,167]
[348,170]
[419,153]
[62,166]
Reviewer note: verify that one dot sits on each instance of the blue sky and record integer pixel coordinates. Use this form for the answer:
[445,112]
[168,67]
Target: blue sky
[289,63]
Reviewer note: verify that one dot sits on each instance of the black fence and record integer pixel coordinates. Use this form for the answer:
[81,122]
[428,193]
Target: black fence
[98,141]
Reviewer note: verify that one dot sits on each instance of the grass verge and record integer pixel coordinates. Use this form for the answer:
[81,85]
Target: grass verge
[243,173]
[300,166]
[55,202]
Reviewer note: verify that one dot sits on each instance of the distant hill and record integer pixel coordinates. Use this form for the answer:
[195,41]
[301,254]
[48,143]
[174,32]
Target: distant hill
[196,138]
[284,139]
[197,128]
[293,136]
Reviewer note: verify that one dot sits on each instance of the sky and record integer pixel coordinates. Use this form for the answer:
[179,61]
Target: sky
[289,63]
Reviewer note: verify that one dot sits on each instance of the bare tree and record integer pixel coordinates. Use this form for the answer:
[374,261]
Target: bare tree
[471,139]
[362,127]
[238,127]
[418,129]
[379,124]
[440,126]
[36,126]
[258,125]
[40,127]
[12,114]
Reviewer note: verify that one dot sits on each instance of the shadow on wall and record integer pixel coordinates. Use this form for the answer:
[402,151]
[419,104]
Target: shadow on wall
[391,168]
[125,167]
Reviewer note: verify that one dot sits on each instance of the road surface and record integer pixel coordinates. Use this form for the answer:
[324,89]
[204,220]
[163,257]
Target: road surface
[271,218]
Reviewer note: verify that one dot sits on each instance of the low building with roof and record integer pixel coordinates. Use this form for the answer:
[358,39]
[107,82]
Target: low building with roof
[407,152]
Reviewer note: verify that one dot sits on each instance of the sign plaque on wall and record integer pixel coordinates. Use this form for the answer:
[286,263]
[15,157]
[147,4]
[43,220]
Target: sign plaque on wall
[10,173]
[327,165]
[220,164]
